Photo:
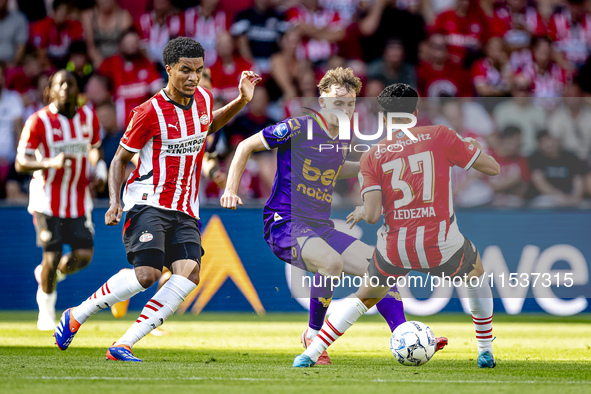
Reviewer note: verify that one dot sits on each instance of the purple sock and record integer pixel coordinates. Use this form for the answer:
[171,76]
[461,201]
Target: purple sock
[320,296]
[390,307]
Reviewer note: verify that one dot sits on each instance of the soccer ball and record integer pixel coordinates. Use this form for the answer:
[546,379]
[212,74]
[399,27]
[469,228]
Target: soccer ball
[412,343]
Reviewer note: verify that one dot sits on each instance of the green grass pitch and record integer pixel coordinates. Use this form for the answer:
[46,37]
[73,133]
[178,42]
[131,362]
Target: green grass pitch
[245,353]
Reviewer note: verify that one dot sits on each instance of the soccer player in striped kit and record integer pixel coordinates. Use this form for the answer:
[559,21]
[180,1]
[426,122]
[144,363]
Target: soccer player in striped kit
[59,144]
[160,196]
[412,187]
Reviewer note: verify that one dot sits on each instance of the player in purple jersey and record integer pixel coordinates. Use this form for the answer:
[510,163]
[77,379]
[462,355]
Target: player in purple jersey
[297,225]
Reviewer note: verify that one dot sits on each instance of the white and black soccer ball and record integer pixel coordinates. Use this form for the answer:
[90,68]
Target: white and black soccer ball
[412,343]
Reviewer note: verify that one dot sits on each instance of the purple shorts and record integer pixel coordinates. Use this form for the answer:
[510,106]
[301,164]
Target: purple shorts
[287,237]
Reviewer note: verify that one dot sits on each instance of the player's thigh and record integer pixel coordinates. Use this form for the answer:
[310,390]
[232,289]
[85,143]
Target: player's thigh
[144,237]
[356,258]
[318,255]
[79,233]
[465,263]
[49,232]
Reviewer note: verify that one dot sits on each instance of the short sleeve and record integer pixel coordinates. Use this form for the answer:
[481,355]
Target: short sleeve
[96,131]
[279,134]
[138,131]
[459,152]
[368,179]
[38,39]
[32,135]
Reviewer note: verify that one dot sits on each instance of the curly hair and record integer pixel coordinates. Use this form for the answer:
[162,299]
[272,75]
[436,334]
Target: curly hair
[181,47]
[398,97]
[47,92]
[340,77]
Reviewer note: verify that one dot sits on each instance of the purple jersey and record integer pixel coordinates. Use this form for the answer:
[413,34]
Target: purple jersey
[307,170]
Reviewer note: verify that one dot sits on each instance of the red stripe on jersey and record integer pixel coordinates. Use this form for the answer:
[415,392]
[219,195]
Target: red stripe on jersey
[151,307]
[172,174]
[82,186]
[55,192]
[186,179]
[334,329]
[156,302]
[70,183]
[156,160]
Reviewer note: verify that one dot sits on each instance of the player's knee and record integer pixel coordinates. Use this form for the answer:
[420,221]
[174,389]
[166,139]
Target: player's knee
[147,276]
[51,259]
[194,276]
[83,257]
[332,264]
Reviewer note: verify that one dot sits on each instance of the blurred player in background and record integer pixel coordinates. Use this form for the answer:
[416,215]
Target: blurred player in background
[161,196]
[59,142]
[298,228]
[412,187]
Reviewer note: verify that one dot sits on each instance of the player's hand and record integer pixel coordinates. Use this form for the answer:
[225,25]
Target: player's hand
[229,200]
[60,161]
[474,142]
[356,216]
[248,81]
[113,215]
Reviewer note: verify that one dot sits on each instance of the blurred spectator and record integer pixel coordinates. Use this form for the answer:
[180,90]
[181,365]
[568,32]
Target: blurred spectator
[570,30]
[23,78]
[345,8]
[205,23]
[254,120]
[520,22]
[103,26]
[285,65]
[491,75]
[392,65]
[440,77]
[157,27]
[320,29]
[53,35]
[547,77]
[14,34]
[464,30]
[571,123]
[389,21]
[34,10]
[97,91]
[79,63]
[258,30]
[522,113]
[132,76]
[226,71]
[556,174]
[511,184]
[37,103]
[11,124]
[111,133]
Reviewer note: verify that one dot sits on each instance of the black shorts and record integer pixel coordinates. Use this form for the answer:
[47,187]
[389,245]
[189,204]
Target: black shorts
[53,232]
[460,264]
[157,237]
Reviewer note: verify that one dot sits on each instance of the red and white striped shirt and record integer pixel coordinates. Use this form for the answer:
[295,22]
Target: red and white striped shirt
[61,193]
[155,36]
[170,140]
[418,229]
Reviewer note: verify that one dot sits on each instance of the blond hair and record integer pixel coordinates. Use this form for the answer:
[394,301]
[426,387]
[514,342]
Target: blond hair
[340,77]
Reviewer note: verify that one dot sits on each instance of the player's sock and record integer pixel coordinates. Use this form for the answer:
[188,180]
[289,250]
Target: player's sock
[335,326]
[320,297]
[481,306]
[164,303]
[391,308]
[46,301]
[119,287]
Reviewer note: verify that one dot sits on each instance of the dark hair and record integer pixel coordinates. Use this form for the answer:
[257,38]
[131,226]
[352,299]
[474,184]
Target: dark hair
[541,134]
[58,3]
[510,131]
[398,97]
[3,67]
[46,92]
[181,47]
[78,48]
[536,40]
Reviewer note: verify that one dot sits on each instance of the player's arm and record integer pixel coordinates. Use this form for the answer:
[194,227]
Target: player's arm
[350,169]
[370,212]
[485,163]
[26,161]
[248,81]
[116,179]
[246,148]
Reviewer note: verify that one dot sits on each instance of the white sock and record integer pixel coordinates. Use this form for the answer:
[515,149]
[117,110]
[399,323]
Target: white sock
[164,303]
[335,326]
[46,302]
[311,333]
[120,287]
[481,306]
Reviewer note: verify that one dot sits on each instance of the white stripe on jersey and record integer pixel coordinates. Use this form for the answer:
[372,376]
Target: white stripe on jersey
[78,170]
[402,248]
[179,180]
[191,180]
[67,137]
[161,156]
[51,171]
[420,245]
[441,238]
[207,104]
[194,180]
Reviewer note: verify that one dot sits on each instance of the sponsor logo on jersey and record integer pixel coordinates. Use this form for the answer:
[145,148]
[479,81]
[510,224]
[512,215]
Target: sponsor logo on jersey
[145,196]
[174,126]
[327,180]
[186,146]
[471,147]
[280,131]
[413,213]
[204,119]
[57,132]
[146,237]
[72,149]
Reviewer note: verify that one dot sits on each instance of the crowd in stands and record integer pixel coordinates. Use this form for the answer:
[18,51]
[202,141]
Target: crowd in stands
[514,74]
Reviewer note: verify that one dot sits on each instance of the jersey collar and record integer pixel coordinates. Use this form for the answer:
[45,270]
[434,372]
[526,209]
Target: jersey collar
[183,107]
